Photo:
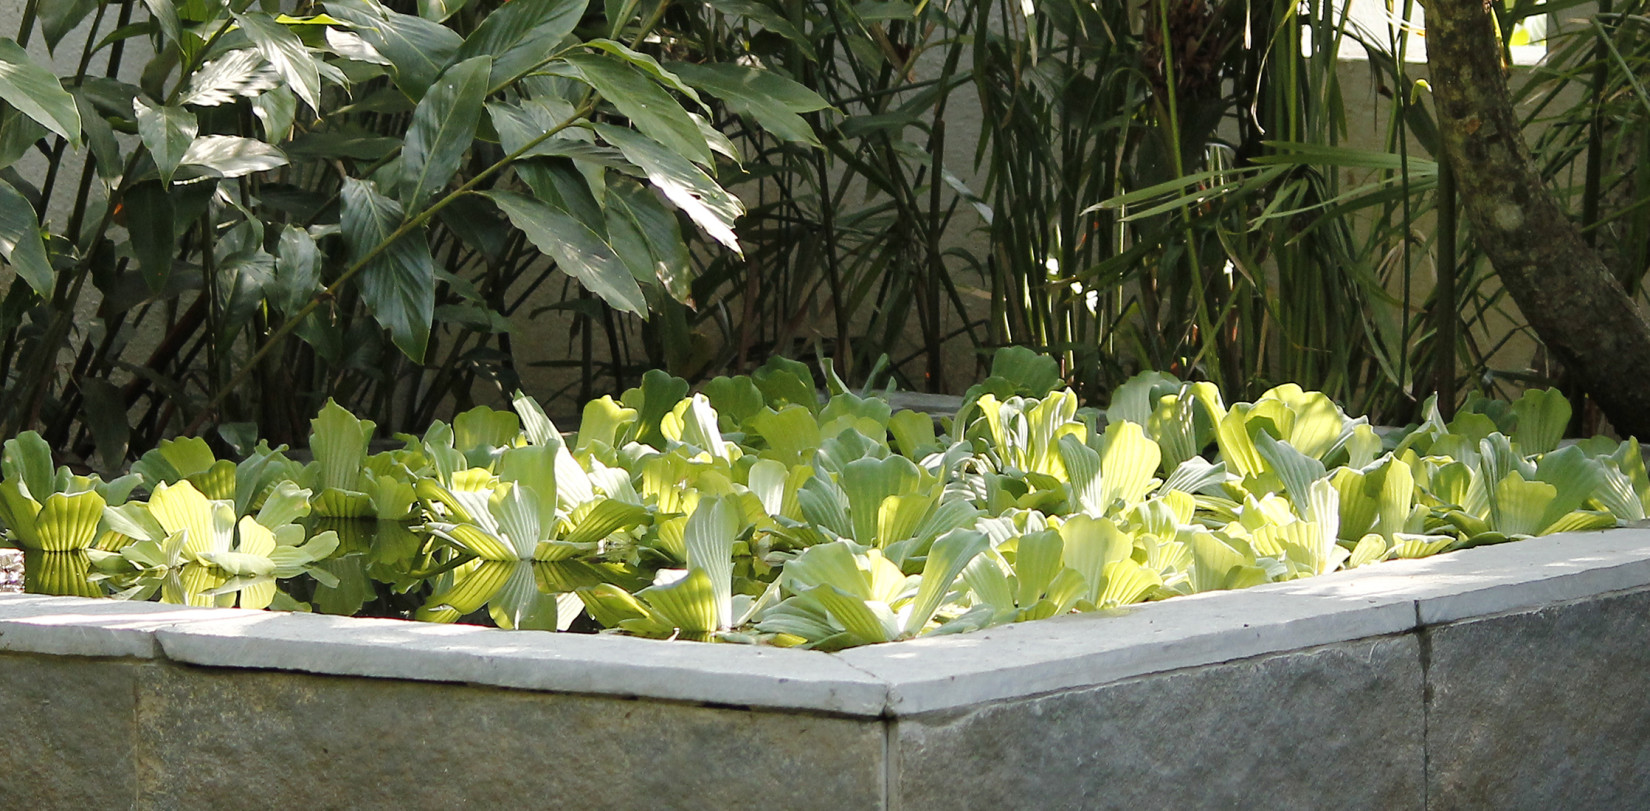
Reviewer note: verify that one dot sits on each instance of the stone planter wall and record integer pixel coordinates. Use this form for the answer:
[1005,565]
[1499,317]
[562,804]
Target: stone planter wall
[1515,676]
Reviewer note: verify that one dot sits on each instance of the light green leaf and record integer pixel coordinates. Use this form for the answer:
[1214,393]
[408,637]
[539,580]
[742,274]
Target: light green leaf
[946,560]
[398,284]
[689,604]
[1037,559]
[1520,507]
[68,523]
[1543,416]
[443,126]
[1127,464]
[36,92]
[578,251]
[709,536]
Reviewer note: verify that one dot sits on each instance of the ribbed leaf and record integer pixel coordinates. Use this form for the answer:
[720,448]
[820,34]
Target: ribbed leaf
[689,604]
[520,605]
[1125,582]
[855,615]
[1520,507]
[709,538]
[946,560]
[1543,415]
[68,523]
[605,518]
[1090,545]
[1037,559]
[1127,464]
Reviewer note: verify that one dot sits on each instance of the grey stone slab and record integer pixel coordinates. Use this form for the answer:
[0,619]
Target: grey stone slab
[1333,727]
[1494,579]
[75,626]
[1025,659]
[216,738]
[66,731]
[739,675]
[1542,709]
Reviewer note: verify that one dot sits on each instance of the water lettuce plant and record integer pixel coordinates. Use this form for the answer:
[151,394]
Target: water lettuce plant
[757,510]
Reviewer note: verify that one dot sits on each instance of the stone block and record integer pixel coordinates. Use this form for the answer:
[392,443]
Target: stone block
[66,730]
[1542,709]
[1335,726]
[230,738]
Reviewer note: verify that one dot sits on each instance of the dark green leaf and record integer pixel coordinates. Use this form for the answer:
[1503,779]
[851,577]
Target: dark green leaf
[100,137]
[579,251]
[167,131]
[36,92]
[398,284]
[686,185]
[443,126]
[149,221]
[286,52]
[772,100]
[18,134]
[418,49]
[520,35]
[647,105]
[166,15]
[439,10]
[59,17]
[647,65]
[646,233]
[105,414]
[20,241]
[297,270]
[767,17]
[277,108]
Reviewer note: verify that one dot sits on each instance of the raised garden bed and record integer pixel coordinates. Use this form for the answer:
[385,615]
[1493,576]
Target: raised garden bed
[1506,676]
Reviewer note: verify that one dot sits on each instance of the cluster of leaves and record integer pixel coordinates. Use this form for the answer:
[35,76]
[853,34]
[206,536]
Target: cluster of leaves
[387,187]
[757,510]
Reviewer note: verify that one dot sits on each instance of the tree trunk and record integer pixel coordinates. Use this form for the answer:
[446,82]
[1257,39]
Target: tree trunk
[1560,283]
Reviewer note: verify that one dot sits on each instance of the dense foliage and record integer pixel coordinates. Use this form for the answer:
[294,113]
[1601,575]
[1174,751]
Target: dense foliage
[753,511]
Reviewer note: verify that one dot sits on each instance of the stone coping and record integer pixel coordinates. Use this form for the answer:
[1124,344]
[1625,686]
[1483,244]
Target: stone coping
[899,679]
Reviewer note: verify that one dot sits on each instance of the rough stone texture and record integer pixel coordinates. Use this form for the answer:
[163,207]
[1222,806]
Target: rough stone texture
[1543,709]
[218,738]
[1337,726]
[66,730]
